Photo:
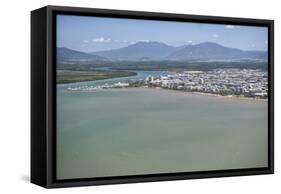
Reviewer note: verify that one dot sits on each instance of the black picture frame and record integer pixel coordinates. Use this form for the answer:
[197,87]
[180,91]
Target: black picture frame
[43,96]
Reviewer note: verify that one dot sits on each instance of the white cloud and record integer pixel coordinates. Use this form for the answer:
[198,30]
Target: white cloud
[102,40]
[215,36]
[144,40]
[190,41]
[121,41]
[135,41]
[229,26]
[86,41]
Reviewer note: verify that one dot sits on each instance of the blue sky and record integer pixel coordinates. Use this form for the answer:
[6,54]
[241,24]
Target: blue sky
[89,34]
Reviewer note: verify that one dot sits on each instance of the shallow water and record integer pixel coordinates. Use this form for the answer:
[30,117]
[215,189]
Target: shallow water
[130,131]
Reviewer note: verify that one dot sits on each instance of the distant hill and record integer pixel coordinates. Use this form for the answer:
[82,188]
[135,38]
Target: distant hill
[209,50]
[139,51]
[146,51]
[65,54]
[160,51]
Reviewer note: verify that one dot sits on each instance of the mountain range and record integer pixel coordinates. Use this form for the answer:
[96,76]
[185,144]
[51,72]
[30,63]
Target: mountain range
[145,51]
[65,54]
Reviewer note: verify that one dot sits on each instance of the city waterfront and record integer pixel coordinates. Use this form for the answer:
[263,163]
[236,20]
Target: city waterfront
[251,83]
[128,131]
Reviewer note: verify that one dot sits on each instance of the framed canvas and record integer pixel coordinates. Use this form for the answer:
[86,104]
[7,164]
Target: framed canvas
[126,96]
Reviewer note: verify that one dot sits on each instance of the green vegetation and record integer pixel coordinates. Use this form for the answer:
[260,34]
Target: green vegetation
[163,65]
[69,76]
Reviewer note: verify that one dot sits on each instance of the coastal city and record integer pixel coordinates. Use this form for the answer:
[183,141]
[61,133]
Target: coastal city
[225,82]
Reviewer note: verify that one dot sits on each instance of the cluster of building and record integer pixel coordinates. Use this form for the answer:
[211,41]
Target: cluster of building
[240,82]
[244,82]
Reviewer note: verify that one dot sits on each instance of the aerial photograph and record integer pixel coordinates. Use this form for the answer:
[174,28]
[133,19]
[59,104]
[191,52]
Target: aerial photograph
[138,97]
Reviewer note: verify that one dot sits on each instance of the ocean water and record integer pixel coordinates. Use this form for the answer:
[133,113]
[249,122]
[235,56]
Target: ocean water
[134,131]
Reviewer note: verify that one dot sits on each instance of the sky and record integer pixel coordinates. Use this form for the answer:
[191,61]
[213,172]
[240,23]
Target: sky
[90,34]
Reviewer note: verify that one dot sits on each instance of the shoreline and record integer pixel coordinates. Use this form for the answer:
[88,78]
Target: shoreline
[180,92]
[143,84]
[229,96]
[217,95]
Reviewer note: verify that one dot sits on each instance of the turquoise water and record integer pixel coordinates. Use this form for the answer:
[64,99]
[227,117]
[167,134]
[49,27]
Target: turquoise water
[130,131]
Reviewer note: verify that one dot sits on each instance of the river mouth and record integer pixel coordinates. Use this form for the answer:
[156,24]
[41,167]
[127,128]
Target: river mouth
[140,76]
[133,131]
